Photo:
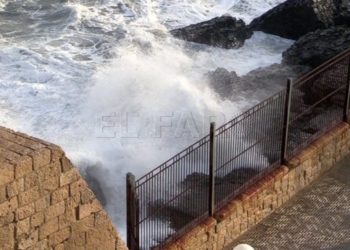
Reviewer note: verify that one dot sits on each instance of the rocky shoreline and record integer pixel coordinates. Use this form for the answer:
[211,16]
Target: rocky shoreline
[321,29]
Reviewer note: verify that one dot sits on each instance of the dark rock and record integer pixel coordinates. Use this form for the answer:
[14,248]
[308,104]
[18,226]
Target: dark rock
[343,14]
[240,176]
[329,82]
[222,81]
[199,179]
[177,217]
[225,32]
[259,84]
[318,47]
[193,200]
[295,18]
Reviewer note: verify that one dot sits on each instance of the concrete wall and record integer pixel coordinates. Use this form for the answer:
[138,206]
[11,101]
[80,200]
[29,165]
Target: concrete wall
[44,201]
[268,194]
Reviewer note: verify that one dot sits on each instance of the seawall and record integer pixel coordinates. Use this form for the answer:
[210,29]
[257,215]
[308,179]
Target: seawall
[44,201]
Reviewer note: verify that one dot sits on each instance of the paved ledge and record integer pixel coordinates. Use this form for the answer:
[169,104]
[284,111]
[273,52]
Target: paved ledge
[318,217]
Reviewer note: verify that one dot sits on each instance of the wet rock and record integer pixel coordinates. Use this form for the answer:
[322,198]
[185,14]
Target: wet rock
[318,47]
[222,81]
[295,18]
[225,32]
[259,84]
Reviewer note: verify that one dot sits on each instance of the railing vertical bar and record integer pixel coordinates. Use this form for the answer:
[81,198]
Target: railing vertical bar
[212,161]
[130,212]
[347,95]
[286,121]
[137,225]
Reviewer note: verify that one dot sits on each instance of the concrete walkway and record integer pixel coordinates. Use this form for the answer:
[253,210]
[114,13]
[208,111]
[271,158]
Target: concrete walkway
[318,217]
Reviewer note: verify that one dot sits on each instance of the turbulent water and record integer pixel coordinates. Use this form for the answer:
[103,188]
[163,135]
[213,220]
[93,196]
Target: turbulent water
[104,80]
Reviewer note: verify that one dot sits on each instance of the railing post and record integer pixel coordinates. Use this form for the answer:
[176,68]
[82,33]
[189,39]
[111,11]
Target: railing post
[212,167]
[347,95]
[132,210]
[286,121]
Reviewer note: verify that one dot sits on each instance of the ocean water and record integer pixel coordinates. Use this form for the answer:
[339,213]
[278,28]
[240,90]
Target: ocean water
[104,80]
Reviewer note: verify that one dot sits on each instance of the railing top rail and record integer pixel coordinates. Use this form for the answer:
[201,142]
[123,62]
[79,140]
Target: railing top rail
[172,160]
[250,112]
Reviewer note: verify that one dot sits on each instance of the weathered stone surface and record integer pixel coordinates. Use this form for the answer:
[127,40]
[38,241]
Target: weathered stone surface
[15,188]
[41,157]
[28,240]
[59,236]
[77,241]
[7,172]
[31,180]
[8,206]
[48,228]
[69,177]
[55,211]
[66,164]
[42,203]
[84,225]
[37,219]
[22,226]
[49,171]
[6,237]
[23,166]
[60,195]
[36,212]
[101,217]
[67,218]
[21,139]
[295,18]
[317,47]
[225,31]
[41,245]
[86,209]
[24,212]
[102,236]
[29,196]
[49,185]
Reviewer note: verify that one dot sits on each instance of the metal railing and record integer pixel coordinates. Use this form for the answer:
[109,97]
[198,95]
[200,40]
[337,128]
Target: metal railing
[173,198]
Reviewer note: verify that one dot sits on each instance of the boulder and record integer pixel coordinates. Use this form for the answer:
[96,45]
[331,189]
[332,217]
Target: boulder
[295,18]
[222,81]
[262,82]
[225,32]
[317,47]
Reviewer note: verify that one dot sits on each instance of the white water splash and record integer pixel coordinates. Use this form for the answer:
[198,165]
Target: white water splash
[107,60]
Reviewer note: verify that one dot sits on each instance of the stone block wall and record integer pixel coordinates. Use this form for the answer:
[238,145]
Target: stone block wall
[44,201]
[269,193]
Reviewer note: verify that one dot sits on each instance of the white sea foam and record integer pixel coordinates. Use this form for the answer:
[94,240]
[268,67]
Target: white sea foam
[74,83]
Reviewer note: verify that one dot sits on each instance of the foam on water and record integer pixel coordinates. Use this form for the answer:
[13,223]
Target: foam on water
[96,77]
